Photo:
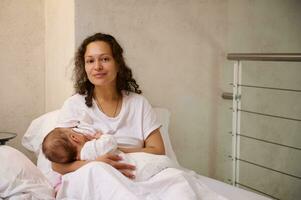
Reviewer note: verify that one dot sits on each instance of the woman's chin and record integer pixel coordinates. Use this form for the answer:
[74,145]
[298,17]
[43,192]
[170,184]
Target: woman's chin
[102,83]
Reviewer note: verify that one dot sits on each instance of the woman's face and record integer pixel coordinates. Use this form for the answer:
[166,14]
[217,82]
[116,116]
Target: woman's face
[100,65]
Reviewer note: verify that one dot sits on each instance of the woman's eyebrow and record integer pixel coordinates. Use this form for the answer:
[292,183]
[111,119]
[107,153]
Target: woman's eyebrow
[101,54]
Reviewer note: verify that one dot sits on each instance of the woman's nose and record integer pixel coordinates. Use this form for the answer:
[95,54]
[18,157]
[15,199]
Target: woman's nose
[98,65]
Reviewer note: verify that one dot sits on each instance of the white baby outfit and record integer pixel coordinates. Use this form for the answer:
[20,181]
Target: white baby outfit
[147,165]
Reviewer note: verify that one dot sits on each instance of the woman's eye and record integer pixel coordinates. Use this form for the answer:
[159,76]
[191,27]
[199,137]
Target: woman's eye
[89,61]
[105,59]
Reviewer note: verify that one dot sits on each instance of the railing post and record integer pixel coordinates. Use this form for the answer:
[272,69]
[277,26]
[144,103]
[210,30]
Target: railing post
[236,121]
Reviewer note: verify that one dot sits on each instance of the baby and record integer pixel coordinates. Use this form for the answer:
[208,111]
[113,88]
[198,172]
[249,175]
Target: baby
[64,145]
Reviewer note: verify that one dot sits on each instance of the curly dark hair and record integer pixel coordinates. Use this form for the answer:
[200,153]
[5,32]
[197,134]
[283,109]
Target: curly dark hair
[125,80]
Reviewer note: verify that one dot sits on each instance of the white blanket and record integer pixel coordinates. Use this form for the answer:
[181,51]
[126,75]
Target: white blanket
[20,179]
[100,181]
[147,164]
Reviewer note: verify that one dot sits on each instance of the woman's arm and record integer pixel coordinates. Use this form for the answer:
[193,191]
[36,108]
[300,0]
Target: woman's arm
[111,159]
[68,167]
[153,144]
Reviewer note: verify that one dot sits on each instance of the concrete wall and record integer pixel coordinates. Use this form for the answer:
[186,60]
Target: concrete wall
[59,51]
[22,67]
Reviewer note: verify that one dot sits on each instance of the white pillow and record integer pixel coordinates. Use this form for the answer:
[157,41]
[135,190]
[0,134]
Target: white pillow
[33,138]
[163,116]
[38,129]
[41,126]
[20,178]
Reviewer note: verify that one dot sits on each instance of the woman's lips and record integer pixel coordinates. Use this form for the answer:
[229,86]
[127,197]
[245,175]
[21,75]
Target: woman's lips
[100,75]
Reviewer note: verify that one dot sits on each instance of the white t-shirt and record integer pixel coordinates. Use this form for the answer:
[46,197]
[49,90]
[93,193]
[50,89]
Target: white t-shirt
[147,165]
[135,121]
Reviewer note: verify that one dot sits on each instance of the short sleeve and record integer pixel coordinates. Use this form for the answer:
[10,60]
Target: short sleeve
[150,122]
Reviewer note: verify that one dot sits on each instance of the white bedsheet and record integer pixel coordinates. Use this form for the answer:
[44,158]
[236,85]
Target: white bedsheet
[22,180]
[101,181]
[228,191]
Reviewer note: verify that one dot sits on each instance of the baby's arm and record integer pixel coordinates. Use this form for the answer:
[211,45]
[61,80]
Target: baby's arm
[107,143]
[97,147]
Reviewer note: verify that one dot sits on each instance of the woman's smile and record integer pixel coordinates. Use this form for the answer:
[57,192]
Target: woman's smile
[100,74]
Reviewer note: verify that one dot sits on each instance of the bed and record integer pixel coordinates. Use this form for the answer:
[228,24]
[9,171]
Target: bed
[24,181]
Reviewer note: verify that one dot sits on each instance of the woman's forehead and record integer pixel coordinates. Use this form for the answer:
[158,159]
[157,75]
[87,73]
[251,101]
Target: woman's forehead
[98,48]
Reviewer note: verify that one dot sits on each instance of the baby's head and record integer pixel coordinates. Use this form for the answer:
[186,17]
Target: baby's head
[62,145]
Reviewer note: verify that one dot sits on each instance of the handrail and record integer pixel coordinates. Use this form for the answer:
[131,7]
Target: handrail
[286,57]
[237,111]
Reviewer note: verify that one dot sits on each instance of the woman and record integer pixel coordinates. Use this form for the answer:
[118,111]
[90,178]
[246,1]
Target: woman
[108,99]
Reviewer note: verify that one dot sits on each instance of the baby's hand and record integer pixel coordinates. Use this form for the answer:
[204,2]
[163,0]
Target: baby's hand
[97,135]
[89,137]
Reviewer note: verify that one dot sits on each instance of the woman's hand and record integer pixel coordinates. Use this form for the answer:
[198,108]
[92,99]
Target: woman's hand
[114,161]
[111,159]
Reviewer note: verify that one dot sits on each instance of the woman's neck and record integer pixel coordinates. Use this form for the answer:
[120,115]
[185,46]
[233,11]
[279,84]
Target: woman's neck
[108,101]
[106,93]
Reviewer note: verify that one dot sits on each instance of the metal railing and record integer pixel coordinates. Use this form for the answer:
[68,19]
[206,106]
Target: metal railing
[284,57]
[237,110]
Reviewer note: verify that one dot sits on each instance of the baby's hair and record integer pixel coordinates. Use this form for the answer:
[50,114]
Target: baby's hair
[57,146]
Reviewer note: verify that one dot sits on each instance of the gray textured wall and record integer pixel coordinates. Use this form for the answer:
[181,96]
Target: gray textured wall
[59,51]
[21,65]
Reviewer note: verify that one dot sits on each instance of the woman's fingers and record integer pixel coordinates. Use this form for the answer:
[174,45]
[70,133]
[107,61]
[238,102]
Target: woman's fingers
[127,173]
[114,157]
[113,160]
[120,166]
